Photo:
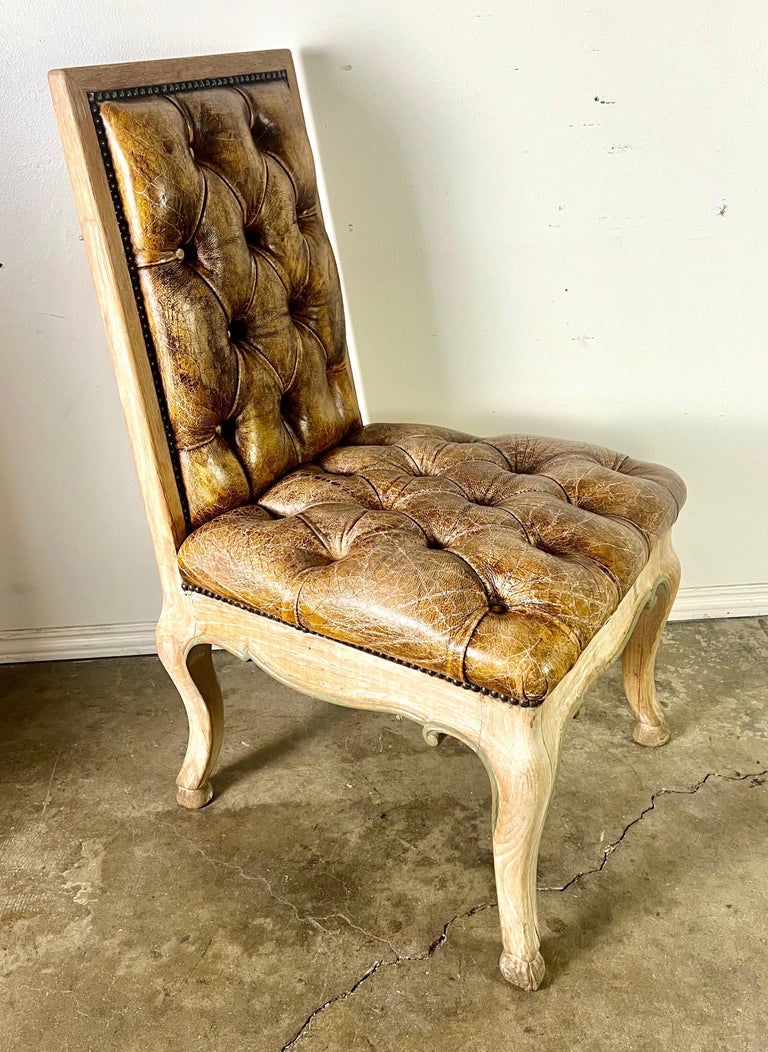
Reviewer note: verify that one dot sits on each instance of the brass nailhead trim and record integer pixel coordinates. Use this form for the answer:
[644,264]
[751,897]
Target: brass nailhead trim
[172,88]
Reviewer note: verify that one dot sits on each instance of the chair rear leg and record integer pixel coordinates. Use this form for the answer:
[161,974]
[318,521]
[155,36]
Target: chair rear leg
[195,679]
[639,660]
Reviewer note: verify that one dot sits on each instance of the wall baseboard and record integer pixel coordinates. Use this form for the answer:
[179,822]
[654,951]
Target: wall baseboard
[99,641]
[89,641]
[726,600]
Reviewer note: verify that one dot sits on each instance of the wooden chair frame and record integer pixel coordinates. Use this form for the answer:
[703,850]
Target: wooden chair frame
[519,746]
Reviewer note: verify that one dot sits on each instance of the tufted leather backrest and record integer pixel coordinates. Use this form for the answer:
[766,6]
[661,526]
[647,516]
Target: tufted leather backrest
[214,185]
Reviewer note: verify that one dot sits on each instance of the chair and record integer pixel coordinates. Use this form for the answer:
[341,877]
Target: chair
[475,586]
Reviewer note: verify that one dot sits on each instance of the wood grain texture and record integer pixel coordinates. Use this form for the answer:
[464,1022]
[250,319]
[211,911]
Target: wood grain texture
[639,658]
[519,746]
[194,676]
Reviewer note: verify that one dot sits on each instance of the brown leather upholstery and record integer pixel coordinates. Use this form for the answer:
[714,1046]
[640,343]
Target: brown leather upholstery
[490,562]
[239,283]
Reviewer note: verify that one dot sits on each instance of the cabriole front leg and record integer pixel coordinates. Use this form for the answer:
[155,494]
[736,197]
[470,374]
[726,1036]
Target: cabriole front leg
[522,772]
[195,679]
[639,658]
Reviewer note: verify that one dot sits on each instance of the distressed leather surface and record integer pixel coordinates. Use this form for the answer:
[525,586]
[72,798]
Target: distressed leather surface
[493,562]
[239,283]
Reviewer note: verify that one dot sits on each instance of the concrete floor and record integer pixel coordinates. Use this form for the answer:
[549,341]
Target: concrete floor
[338,893]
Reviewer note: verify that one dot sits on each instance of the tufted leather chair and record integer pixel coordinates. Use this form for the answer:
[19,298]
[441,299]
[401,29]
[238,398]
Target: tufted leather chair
[475,585]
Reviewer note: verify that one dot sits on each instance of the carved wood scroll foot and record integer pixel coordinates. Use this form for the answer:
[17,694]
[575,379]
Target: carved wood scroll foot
[653,737]
[525,974]
[194,799]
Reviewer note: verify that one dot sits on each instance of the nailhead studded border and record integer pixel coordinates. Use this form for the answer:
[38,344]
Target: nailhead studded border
[95,98]
[187,587]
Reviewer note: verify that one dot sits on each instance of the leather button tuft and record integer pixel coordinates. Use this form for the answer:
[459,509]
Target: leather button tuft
[237,331]
[498,608]
[179,253]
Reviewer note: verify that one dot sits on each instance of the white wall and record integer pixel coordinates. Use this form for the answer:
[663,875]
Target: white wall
[517,255]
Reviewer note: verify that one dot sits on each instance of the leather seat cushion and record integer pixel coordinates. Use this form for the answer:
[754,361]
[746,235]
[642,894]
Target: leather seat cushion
[492,562]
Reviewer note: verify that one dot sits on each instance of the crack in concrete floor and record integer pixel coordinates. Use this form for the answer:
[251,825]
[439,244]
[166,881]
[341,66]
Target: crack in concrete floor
[433,947]
[306,918]
[608,851]
[442,938]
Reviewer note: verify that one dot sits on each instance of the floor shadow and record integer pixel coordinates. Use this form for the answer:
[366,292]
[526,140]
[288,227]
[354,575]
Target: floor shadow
[319,723]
